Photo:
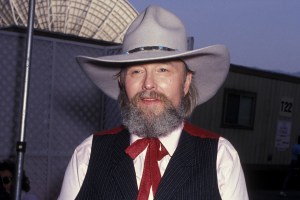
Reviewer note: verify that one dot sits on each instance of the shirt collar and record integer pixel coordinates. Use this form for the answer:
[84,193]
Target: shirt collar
[170,141]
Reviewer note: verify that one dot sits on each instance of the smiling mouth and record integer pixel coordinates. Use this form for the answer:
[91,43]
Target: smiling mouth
[150,97]
[150,100]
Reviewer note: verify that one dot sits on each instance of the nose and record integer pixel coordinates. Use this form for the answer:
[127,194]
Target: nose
[149,82]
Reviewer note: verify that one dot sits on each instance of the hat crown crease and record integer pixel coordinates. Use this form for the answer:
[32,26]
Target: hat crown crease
[156,27]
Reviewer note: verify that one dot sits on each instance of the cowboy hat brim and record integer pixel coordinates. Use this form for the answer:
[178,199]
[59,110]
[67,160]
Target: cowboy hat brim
[210,64]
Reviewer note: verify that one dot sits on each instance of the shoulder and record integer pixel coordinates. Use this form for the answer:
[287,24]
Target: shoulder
[85,147]
[82,152]
[198,132]
[226,149]
[85,144]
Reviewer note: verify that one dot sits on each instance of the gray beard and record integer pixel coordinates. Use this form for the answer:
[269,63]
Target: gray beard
[149,124]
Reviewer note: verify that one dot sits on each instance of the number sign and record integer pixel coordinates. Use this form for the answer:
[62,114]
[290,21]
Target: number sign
[286,107]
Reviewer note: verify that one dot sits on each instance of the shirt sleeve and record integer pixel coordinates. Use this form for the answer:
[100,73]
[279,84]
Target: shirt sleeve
[76,170]
[231,180]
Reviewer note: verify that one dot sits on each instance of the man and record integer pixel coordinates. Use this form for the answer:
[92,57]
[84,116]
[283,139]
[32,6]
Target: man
[156,153]
[293,167]
[7,172]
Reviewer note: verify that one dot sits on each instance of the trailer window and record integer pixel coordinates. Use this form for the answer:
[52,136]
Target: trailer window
[238,109]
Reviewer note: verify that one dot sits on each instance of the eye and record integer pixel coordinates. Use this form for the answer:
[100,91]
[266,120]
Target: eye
[135,72]
[162,69]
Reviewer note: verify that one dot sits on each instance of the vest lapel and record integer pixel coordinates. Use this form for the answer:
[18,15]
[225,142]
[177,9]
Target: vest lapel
[123,169]
[177,173]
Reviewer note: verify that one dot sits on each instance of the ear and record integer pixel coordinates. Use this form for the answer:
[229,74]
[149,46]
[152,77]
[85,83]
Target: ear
[121,85]
[187,83]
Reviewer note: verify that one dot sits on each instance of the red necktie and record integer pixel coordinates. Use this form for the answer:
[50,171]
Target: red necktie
[151,174]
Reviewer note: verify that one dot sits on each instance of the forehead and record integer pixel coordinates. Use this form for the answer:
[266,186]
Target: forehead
[175,63]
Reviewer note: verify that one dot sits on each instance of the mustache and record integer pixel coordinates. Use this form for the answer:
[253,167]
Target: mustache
[150,95]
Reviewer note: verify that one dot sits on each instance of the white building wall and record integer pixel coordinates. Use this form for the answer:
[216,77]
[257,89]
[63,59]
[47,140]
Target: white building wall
[256,146]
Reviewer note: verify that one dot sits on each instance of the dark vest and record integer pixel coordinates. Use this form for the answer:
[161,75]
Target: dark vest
[191,172]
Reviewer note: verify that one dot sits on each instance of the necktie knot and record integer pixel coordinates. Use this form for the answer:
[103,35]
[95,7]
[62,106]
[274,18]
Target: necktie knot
[151,174]
[140,145]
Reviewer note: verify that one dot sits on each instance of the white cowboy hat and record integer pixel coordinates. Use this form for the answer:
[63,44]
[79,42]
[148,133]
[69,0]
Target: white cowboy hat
[157,34]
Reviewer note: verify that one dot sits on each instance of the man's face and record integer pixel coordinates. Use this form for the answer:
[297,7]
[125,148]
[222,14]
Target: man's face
[6,180]
[149,80]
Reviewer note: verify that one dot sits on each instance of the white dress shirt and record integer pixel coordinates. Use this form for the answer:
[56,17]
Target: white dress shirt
[231,181]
